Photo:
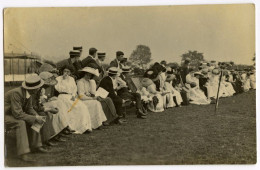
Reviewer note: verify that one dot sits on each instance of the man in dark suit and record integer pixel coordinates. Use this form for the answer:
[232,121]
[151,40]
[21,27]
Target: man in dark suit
[109,84]
[20,115]
[73,62]
[116,62]
[99,61]
[90,58]
[124,92]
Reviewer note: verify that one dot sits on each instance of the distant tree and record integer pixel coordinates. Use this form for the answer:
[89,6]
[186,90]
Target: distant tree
[196,57]
[141,55]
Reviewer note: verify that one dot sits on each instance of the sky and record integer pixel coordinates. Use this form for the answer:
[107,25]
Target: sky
[220,32]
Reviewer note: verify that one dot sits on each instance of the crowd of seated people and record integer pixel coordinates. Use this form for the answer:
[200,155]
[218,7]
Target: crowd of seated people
[62,99]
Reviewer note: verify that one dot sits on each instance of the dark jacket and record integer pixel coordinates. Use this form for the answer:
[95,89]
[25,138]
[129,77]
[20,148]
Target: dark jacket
[107,84]
[114,63]
[75,66]
[89,60]
[16,104]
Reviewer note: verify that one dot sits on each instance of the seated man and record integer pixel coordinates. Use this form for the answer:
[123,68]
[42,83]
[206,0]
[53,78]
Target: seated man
[109,84]
[19,114]
[129,92]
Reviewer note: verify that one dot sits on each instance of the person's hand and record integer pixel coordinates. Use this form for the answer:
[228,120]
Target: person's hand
[54,110]
[53,98]
[99,98]
[40,119]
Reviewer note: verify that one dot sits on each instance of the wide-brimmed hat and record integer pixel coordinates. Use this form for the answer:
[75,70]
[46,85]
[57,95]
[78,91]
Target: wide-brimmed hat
[204,71]
[215,71]
[146,82]
[45,76]
[33,82]
[170,77]
[197,73]
[46,67]
[74,53]
[90,70]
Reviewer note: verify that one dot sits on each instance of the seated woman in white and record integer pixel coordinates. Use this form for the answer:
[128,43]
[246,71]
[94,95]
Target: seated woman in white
[176,94]
[78,115]
[197,96]
[102,108]
[246,81]
[168,98]
[213,85]
[252,79]
[156,105]
[226,85]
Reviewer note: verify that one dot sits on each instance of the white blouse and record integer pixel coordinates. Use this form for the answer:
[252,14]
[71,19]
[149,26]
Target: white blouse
[67,85]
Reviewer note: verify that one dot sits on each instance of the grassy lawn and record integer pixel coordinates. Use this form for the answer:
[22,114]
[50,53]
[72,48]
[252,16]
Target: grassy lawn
[187,135]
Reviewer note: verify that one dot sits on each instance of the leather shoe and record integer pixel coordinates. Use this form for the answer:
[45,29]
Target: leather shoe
[141,117]
[140,112]
[49,143]
[120,122]
[59,139]
[42,150]
[26,158]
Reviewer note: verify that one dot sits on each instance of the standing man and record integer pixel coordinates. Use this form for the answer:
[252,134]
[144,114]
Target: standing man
[109,84]
[74,58]
[19,114]
[116,62]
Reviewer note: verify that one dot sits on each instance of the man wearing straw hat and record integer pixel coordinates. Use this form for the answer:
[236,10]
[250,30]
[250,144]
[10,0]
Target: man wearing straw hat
[124,92]
[20,115]
[109,84]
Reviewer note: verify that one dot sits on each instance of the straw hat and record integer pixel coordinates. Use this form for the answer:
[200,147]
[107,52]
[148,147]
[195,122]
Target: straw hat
[90,70]
[45,76]
[46,67]
[126,69]
[215,71]
[113,71]
[146,82]
[32,82]
[204,71]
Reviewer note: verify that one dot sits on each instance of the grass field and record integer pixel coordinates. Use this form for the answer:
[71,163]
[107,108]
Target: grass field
[187,135]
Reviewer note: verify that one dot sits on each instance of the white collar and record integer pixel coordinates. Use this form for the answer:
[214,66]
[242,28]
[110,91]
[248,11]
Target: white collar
[91,56]
[27,94]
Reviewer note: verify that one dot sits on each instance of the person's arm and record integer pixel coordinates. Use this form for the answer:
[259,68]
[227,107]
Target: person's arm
[81,91]
[59,86]
[17,110]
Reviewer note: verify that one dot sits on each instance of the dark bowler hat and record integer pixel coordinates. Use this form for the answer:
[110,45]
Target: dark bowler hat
[118,53]
[78,48]
[74,53]
[100,55]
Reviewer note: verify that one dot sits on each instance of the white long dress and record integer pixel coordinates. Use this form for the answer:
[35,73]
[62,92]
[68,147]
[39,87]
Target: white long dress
[96,112]
[152,91]
[78,116]
[197,96]
[252,81]
[167,98]
[174,92]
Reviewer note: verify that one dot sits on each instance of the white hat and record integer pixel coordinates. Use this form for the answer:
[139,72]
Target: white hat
[126,69]
[45,76]
[32,82]
[91,70]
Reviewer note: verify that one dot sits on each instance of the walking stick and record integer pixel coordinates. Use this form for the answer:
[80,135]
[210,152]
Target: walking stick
[216,106]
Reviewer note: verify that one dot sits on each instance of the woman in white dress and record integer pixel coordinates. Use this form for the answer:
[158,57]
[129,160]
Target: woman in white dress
[156,105]
[87,91]
[78,115]
[176,94]
[197,96]
[252,79]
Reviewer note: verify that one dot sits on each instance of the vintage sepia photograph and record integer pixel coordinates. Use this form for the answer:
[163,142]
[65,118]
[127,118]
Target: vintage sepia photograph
[140,85]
